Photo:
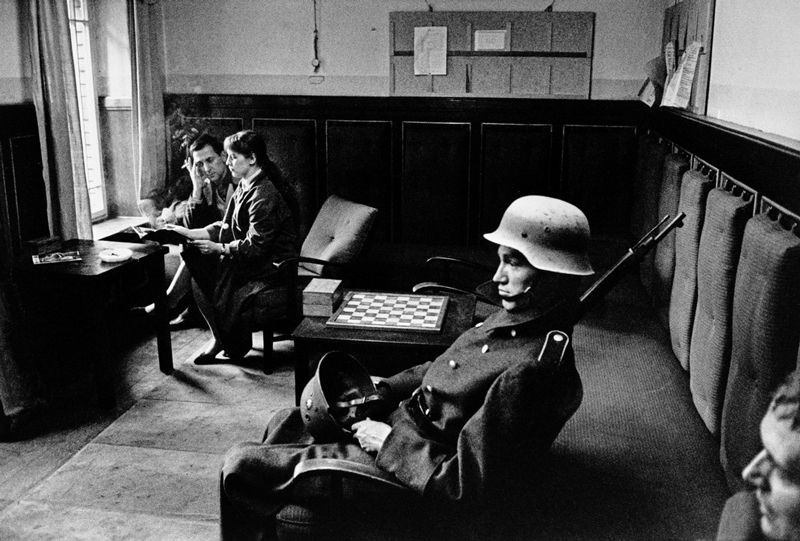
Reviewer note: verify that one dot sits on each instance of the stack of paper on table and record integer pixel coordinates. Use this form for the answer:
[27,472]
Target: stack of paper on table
[321,297]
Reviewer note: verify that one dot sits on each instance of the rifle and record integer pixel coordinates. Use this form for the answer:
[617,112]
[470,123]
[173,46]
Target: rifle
[632,257]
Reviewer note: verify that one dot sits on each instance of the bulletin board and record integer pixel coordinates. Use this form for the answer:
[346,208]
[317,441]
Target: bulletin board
[491,53]
[685,22]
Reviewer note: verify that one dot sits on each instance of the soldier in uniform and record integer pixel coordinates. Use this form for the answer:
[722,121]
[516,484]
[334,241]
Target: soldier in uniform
[462,425]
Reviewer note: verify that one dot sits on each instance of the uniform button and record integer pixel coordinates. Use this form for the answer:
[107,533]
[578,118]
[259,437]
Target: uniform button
[453,364]
[427,412]
[429,388]
[225,226]
[479,324]
[485,348]
[513,333]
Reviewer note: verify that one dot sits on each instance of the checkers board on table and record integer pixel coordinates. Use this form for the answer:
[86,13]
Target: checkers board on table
[390,311]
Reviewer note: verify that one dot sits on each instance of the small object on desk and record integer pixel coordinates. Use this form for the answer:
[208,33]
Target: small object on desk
[390,311]
[56,257]
[115,255]
[321,297]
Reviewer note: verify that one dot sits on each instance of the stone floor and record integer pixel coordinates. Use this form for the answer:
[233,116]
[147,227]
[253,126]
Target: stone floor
[147,470]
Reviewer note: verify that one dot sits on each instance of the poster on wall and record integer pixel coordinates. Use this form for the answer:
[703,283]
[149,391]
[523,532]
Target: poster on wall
[430,50]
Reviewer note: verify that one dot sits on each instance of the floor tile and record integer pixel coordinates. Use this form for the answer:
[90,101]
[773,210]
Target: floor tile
[226,384]
[189,426]
[50,522]
[25,463]
[129,479]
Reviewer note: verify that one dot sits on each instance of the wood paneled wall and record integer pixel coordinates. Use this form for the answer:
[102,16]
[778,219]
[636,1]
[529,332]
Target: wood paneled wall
[769,165]
[23,204]
[440,170]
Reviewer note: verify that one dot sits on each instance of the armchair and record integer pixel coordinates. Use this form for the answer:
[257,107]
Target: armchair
[333,244]
[523,413]
[462,281]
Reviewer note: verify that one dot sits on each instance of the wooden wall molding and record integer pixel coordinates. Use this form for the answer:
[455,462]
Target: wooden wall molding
[440,170]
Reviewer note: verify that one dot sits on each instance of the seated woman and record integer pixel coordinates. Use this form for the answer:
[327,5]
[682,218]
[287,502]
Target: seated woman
[232,260]
[445,439]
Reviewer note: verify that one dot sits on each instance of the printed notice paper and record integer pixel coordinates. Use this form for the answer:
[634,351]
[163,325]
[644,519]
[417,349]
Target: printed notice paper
[430,50]
[679,87]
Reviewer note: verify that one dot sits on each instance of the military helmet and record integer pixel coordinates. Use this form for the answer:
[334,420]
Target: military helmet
[553,235]
[340,394]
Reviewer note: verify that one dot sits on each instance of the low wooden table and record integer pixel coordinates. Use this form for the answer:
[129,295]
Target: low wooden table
[382,352]
[97,286]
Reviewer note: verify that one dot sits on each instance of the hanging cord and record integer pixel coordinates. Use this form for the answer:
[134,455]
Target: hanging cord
[315,62]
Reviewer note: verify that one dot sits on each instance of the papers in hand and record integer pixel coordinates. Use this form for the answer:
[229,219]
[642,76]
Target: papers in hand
[56,257]
[161,236]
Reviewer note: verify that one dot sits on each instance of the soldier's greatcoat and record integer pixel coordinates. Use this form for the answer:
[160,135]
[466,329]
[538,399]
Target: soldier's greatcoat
[475,416]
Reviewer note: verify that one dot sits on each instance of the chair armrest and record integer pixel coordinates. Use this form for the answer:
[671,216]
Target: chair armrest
[336,466]
[430,287]
[303,259]
[447,261]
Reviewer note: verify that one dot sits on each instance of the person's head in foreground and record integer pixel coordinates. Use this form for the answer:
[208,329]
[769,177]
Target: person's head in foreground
[247,153]
[775,471]
[543,244]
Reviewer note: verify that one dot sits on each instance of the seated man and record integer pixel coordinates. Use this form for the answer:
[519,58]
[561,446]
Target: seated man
[445,440]
[771,510]
[194,205]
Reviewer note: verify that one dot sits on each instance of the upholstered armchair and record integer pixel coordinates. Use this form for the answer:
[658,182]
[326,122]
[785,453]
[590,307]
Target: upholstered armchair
[523,413]
[456,276]
[330,249]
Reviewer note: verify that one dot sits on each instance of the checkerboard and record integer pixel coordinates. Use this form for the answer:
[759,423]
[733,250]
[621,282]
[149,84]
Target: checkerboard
[390,311]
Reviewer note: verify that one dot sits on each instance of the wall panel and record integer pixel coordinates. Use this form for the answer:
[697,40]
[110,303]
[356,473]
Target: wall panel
[359,166]
[435,183]
[597,173]
[23,200]
[515,161]
[291,143]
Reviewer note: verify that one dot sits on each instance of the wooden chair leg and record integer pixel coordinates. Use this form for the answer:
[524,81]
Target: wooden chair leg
[267,359]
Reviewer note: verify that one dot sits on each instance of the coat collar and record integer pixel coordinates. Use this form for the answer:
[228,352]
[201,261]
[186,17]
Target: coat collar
[539,316]
[246,185]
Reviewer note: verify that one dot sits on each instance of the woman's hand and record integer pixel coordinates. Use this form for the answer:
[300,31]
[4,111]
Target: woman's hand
[207,246]
[201,233]
[371,434]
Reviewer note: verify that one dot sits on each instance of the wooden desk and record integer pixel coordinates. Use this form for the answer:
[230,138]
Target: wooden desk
[89,288]
[383,353]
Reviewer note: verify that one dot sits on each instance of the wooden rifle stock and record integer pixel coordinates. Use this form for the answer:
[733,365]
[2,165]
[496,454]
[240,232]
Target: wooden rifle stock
[632,257]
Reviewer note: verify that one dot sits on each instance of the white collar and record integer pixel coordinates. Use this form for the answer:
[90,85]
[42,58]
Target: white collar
[247,183]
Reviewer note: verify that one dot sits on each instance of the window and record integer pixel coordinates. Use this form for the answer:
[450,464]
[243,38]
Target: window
[87,105]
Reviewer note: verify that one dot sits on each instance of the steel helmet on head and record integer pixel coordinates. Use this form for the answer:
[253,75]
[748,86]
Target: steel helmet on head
[553,235]
[340,394]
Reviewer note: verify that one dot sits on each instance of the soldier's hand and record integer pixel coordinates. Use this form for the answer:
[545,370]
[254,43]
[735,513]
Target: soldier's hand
[371,434]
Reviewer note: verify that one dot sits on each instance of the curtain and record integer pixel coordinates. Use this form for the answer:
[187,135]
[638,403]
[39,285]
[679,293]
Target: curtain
[147,77]
[56,100]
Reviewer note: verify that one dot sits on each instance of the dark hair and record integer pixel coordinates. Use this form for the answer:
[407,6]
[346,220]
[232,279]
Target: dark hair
[786,403]
[249,143]
[201,141]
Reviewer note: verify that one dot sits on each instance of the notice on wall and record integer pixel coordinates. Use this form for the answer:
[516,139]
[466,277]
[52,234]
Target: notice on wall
[430,50]
[490,40]
[679,88]
[669,59]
